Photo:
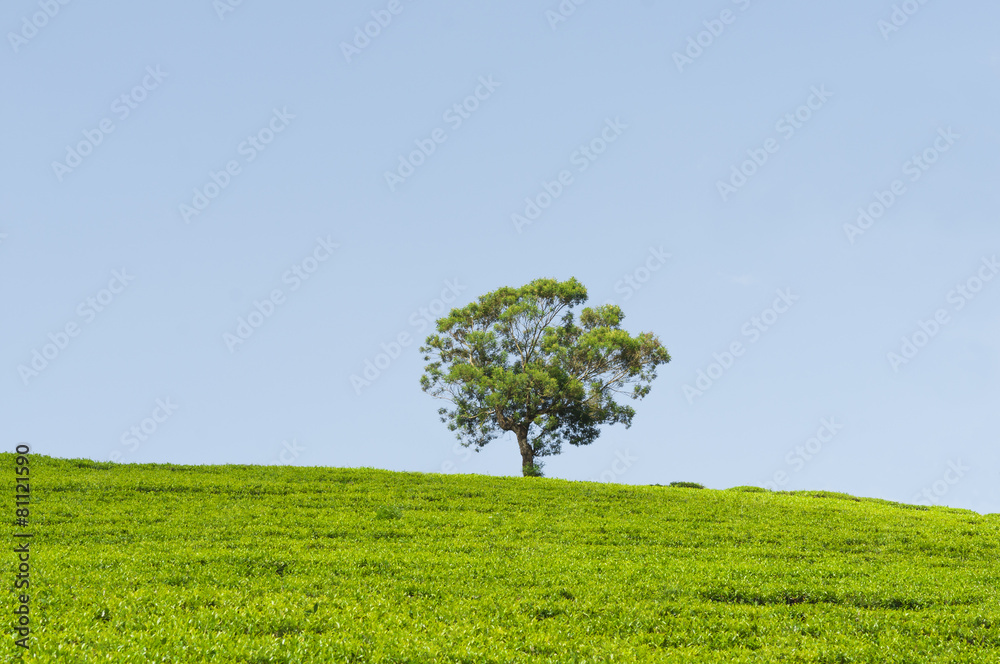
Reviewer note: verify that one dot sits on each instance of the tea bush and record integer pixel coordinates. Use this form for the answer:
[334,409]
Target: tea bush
[236,564]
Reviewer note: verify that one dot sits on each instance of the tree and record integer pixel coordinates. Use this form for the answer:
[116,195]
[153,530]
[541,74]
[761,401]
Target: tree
[506,364]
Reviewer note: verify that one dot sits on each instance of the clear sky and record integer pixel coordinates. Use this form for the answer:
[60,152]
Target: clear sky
[214,215]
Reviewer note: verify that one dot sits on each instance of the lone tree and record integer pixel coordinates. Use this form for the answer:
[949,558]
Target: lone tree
[506,364]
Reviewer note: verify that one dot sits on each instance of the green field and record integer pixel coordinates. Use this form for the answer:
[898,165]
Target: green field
[159,563]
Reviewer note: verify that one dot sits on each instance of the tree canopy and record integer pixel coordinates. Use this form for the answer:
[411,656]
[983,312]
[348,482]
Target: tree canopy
[517,361]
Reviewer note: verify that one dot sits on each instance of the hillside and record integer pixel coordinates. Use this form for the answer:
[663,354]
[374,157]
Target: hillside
[160,563]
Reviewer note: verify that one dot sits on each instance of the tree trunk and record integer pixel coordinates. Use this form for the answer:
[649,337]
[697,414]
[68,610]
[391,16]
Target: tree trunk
[527,454]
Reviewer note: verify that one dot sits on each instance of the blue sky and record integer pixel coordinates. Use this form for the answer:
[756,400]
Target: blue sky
[170,169]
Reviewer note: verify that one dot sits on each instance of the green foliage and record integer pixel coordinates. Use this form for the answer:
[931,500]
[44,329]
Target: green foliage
[533,470]
[687,485]
[748,489]
[516,361]
[142,563]
[822,494]
[388,512]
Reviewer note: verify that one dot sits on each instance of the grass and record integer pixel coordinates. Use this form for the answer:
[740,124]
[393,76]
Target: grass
[160,563]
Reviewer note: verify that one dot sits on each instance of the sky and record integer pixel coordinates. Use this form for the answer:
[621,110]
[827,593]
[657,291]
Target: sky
[218,215]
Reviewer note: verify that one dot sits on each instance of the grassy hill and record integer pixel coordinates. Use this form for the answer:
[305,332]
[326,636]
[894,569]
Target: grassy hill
[160,563]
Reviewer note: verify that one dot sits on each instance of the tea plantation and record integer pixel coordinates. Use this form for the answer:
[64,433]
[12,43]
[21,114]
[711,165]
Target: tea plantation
[234,564]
